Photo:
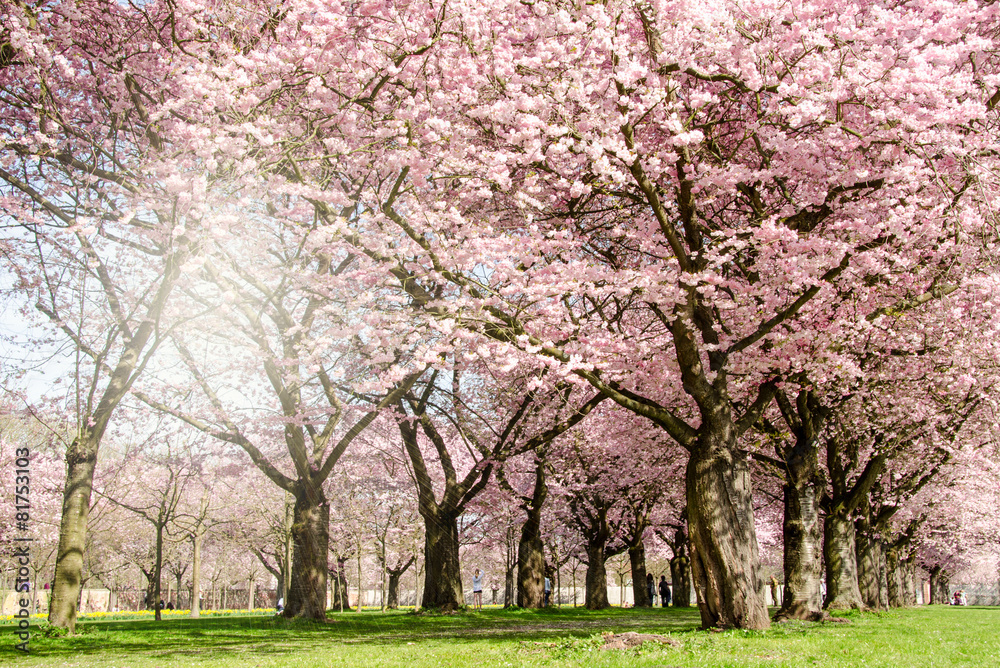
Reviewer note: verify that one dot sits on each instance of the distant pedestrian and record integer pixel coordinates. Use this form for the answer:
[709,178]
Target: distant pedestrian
[548,591]
[664,591]
[281,604]
[477,590]
[495,589]
[651,588]
[170,605]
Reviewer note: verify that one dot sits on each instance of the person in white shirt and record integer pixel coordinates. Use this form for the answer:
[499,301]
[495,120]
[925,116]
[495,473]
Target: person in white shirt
[477,590]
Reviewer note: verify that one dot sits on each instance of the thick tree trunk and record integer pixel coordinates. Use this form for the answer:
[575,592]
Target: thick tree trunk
[443,575]
[150,591]
[841,568]
[640,587]
[871,566]
[724,554]
[894,579]
[177,604]
[395,575]
[530,550]
[680,577]
[939,586]
[801,597]
[909,582]
[801,528]
[531,562]
[341,600]
[393,600]
[81,460]
[311,540]
[596,597]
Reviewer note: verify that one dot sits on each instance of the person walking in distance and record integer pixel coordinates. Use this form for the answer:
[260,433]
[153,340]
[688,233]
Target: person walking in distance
[477,590]
[664,591]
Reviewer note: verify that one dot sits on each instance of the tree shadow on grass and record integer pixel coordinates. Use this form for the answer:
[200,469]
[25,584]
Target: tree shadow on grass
[214,637]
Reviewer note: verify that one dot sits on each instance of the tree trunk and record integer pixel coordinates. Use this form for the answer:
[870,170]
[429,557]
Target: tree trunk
[596,596]
[311,539]
[724,553]
[871,561]
[801,528]
[508,588]
[158,574]
[287,570]
[393,602]
[150,591]
[841,567]
[909,583]
[640,587]
[939,586]
[341,601]
[894,579]
[680,578]
[801,596]
[250,594]
[81,460]
[196,539]
[531,562]
[395,574]
[443,575]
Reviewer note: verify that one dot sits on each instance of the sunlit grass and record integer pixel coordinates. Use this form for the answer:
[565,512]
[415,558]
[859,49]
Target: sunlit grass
[920,637]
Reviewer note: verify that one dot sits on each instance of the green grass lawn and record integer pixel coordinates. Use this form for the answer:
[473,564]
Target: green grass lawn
[919,637]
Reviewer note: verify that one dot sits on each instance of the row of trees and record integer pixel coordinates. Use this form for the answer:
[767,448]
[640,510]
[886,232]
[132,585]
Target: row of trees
[764,234]
[172,521]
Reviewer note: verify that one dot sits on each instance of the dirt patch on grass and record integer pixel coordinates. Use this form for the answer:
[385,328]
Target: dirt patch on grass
[631,639]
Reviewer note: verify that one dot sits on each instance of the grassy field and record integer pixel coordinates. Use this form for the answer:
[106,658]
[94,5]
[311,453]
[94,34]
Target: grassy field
[920,637]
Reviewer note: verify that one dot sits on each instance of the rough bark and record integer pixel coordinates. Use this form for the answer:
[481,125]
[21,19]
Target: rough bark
[443,579]
[801,595]
[596,597]
[530,549]
[724,553]
[311,541]
[81,460]
[871,565]
[640,587]
[909,582]
[894,578]
[393,598]
[841,567]
[801,527]
[939,585]
[680,576]
[530,566]
[341,600]
[395,574]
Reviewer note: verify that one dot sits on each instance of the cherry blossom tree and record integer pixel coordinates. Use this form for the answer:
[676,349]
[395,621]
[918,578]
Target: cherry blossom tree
[683,206]
[697,178]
